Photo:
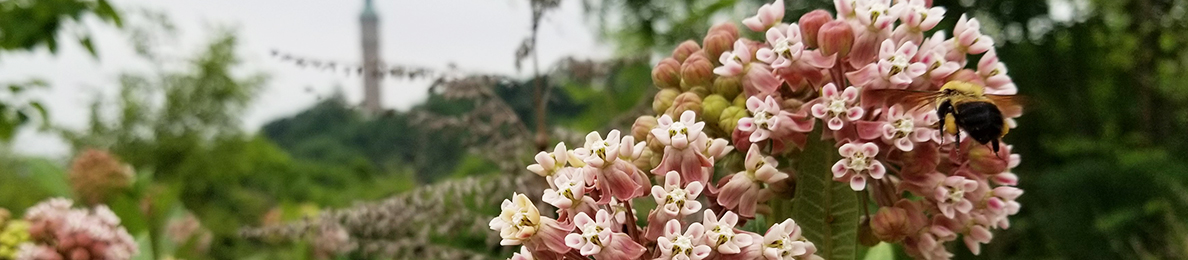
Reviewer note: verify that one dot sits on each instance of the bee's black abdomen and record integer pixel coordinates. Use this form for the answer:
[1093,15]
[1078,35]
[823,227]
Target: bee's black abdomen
[981,120]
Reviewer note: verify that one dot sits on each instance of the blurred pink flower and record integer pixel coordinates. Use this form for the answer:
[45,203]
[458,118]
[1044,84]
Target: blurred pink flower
[993,73]
[687,246]
[743,191]
[859,163]
[721,234]
[967,39]
[951,198]
[678,137]
[524,254]
[60,232]
[769,15]
[894,68]
[836,108]
[784,241]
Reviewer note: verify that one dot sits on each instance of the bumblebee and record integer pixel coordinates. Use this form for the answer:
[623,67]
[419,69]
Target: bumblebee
[965,106]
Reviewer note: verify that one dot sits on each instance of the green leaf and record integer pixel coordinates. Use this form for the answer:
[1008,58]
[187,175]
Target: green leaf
[882,251]
[825,209]
[90,45]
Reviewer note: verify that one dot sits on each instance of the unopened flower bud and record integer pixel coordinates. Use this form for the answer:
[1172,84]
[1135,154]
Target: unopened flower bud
[740,101]
[701,92]
[696,71]
[811,23]
[728,87]
[667,73]
[725,27]
[835,37]
[645,159]
[687,101]
[643,127]
[728,120]
[664,100]
[684,50]
[718,42]
[711,108]
[891,224]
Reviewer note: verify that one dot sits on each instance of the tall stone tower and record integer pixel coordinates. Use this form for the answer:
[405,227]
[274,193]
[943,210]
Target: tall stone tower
[371,59]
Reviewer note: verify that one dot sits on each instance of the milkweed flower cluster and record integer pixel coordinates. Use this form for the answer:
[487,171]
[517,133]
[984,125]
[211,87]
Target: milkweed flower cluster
[761,100]
[58,231]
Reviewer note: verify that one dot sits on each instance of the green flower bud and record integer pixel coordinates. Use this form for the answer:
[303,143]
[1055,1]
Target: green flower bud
[740,101]
[701,92]
[643,127]
[711,108]
[667,74]
[696,71]
[684,50]
[728,120]
[728,87]
[687,101]
[664,100]
[645,160]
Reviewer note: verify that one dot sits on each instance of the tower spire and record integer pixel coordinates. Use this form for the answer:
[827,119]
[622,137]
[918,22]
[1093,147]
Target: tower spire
[369,22]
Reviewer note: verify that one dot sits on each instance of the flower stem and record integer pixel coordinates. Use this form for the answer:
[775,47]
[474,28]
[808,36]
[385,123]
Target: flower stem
[632,228]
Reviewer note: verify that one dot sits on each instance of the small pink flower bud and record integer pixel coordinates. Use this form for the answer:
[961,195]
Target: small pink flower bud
[711,108]
[687,101]
[696,71]
[667,73]
[728,87]
[983,160]
[684,50]
[728,120]
[718,43]
[835,37]
[891,224]
[664,100]
[811,23]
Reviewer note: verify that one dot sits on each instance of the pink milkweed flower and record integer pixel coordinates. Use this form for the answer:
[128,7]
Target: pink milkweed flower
[784,241]
[757,77]
[677,138]
[769,15]
[858,164]
[520,222]
[609,165]
[763,119]
[894,68]
[837,108]
[687,246]
[743,191]
[845,9]
[994,74]
[548,163]
[592,234]
[569,194]
[932,54]
[675,201]
[916,18]
[721,234]
[950,195]
[786,50]
[902,129]
[876,14]
[1002,204]
[968,39]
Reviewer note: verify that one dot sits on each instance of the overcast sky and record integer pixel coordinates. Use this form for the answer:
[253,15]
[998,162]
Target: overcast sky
[477,35]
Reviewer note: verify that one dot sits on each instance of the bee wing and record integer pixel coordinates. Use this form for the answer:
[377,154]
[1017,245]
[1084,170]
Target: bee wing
[1010,105]
[909,99]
